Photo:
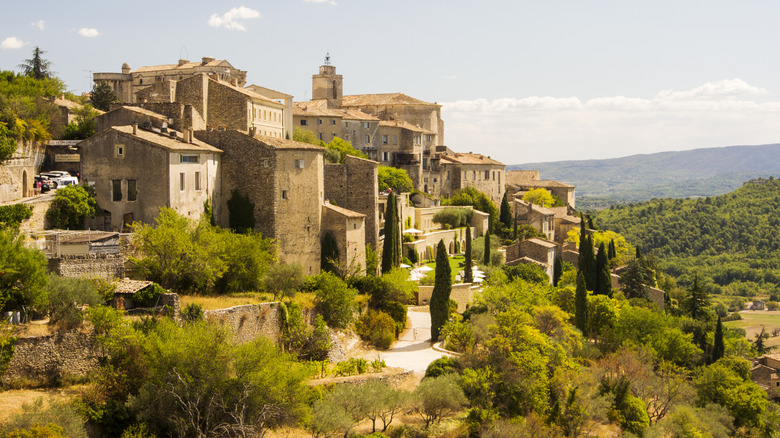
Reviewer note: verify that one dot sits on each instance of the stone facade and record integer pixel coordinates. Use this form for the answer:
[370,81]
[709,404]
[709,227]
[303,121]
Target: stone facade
[135,172]
[250,321]
[462,293]
[17,174]
[542,219]
[450,171]
[50,358]
[538,251]
[89,266]
[349,230]
[284,179]
[521,181]
[354,185]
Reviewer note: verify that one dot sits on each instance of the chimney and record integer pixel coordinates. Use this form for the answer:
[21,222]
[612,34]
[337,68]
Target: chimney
[234,82]
[183,61]
[206,60]
[164,128]
[187,134]
[135,128]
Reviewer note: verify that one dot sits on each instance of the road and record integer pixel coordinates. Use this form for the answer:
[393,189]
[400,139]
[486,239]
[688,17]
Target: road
[413,350]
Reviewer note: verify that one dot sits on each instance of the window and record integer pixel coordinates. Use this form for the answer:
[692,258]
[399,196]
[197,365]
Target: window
[193,159]
[395,139]
[119,151]
[298,164]
[417,139]
[265,163]
[448,175]
[365,125]
[384,156]
[384,139]
[428,137]
[319,136]
[132,191]
[181,182]
[368,139]
[494,175]
[197,180]
[116,190]
[319,121]
[284,194]
[487,175]
[332,121]
[303,122]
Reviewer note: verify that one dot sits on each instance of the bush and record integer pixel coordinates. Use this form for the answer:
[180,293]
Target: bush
[531,273]
[441,366]
[334,299]
[62,415]
[148,297]
[376,327]
[13,215]
[306,342]
[453,217]
[192,312]
[70,207]
[66,297]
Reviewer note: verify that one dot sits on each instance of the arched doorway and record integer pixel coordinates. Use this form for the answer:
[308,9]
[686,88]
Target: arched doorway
[25,185]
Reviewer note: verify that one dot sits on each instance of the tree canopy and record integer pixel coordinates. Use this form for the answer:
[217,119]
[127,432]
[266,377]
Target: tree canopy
[396,179]
[473,197]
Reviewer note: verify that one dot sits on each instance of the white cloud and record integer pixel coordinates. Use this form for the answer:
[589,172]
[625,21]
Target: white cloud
[330,2]
[40,24]
[451,77]
[89,32]
[544,128]
[230,19]
[11,43]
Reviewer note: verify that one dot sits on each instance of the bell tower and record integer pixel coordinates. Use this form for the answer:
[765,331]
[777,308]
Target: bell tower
[327,84]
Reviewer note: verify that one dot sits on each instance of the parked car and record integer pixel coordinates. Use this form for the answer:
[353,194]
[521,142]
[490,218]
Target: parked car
[45,184]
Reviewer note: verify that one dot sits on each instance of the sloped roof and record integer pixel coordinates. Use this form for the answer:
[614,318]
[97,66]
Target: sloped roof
[540,183]
[128,286]
[281,143]
[343,211]
[404,125]
[186,65]
[460,158]
[382,99]
[248,93]
[541,242]
[319,108]
[165,141]
[89,237]
[140,110]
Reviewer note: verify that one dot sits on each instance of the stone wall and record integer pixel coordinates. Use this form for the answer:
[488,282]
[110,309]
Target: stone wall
[462,293]
[50,358]
[249,321]
[18,173]
[106,266]
[354,185]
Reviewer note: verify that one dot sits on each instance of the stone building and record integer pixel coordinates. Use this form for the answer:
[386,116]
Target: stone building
[399,131]
[284,179]
[136,171]
[126,85]
[349,230]
[537,251]
[354,185]
[520,181]
[541,218]
[17,173]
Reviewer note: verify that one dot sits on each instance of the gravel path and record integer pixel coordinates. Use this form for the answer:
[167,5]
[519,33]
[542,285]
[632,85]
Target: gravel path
[413,350]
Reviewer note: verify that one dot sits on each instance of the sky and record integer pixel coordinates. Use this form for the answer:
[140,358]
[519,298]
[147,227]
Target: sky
[520,81]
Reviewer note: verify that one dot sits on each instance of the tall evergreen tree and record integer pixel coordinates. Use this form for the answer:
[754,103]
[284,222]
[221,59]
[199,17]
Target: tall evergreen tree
[612,251]
[440,297]
[581,305]
[718,349]
[469,276]
[390,248]
[36,67]
[514,234]
[557,271]
[697,300]
[330,254]
[603,275]
[486,255]
[102,95]
[505,215]
[586,262]
[638,254]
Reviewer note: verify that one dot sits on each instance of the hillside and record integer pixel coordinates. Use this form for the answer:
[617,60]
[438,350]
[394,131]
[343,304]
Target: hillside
[730,240]
[694,173]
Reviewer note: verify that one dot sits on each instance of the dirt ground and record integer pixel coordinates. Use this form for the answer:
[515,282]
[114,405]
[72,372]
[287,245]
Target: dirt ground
[753,320]
[11,401]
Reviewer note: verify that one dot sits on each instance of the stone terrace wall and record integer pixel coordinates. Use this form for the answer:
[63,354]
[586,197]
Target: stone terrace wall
[249,321]
[45,358]
[462,293]
[106,266]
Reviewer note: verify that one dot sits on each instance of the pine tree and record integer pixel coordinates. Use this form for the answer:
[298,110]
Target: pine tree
[557,271]
[330,254]
[718,348]
[390,254]
[505,215]
[603,275]
[440,297]
[469,276]
[102,95]
[759,345]
[486,256]
[36,67]
[581,305]
[698,300]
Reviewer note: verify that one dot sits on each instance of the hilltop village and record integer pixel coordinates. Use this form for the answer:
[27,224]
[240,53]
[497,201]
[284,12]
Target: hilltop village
[207,257]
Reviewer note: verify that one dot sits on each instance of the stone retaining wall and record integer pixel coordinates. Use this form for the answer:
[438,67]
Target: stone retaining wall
[249,321]
[50,358]
[107,266]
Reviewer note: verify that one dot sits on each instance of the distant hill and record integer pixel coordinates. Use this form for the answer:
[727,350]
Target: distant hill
[694,173]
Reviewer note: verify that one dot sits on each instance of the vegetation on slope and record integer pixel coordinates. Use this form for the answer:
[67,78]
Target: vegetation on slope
[730,240]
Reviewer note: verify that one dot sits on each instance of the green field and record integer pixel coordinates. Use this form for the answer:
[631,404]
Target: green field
[753,320]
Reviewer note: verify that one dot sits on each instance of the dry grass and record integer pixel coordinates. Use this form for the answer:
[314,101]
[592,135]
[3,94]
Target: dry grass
[753,320]
[11,401]
[214,302]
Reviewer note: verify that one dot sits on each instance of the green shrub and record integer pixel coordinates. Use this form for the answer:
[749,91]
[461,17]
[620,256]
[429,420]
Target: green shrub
[441,366]
[66,298]
[63,415]
[334,299]
[192,312]
[377,328]
[147,297]
[453,217]
[13,215]
[70,207]
[378,365]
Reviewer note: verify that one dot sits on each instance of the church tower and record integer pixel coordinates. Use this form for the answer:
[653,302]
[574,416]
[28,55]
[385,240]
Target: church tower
[327,85]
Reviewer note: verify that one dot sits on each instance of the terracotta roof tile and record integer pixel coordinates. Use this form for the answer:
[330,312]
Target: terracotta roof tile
[470,159]
[382,99]
[343,211]
[404,125]
[166,142]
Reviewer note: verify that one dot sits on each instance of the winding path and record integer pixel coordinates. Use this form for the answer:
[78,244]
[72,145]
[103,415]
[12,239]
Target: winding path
[413,350]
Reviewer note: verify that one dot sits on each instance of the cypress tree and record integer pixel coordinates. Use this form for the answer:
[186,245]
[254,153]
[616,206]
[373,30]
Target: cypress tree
[603,277]
[390,254]
[586,262]
[718,348]
[505,216]
[486,256]
[330,254]
[611,252]
[515,232]
[557,271]
[469,276]
[638,253]
[440,297]
[581,305]
[698,300]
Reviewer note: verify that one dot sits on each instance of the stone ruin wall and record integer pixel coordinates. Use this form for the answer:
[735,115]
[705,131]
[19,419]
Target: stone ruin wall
[53,357]
[250,321]
[107,266]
